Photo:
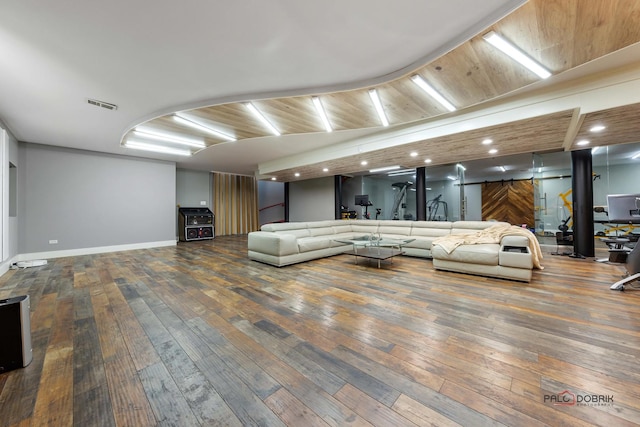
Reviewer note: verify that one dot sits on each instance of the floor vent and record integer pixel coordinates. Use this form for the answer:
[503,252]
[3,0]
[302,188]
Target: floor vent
[102,104]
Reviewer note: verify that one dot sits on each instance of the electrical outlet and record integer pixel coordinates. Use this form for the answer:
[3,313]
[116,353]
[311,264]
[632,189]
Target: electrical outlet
[53,242]
[203,203]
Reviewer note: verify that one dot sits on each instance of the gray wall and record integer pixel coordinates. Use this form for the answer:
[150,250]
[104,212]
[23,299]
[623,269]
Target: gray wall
[85,199]
[193,188]
[312,200]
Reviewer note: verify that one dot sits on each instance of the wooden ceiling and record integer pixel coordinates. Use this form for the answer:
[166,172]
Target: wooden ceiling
[560,34]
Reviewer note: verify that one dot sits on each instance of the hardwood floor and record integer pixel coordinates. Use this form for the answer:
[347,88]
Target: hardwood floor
[199,335]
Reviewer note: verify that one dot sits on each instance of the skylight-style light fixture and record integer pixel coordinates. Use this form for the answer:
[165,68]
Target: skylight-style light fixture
[422,84]
[161,136]
[373,94]
[403,172]
[136,145]
[516,54]
[322,113]
[188,121]
[262,118]
[384,169]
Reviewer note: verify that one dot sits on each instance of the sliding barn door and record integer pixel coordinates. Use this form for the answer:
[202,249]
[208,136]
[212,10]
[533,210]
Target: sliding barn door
[235,204]
[508,201]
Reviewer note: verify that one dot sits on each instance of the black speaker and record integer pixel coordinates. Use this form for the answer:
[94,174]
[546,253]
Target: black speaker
[195,224]
[198,233]
[15,333]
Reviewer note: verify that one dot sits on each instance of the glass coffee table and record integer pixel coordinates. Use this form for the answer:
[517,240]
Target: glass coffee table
[375,247]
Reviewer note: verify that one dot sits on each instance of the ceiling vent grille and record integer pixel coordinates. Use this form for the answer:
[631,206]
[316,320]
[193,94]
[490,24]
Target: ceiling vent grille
[102,104]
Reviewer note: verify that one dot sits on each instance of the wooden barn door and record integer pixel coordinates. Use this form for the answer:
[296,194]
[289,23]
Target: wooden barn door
[508,201]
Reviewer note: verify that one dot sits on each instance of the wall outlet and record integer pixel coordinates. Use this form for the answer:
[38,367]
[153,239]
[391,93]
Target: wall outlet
[203,203]
[53,242]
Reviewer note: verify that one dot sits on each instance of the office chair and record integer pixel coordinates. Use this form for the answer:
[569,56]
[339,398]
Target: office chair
[633,269]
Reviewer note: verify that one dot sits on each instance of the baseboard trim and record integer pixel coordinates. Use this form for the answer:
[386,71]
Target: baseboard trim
[91,251]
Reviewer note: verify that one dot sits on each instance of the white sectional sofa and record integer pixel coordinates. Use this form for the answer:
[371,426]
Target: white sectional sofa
[282,244]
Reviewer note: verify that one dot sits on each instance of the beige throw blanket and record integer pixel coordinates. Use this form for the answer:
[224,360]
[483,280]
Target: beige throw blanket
[493,234]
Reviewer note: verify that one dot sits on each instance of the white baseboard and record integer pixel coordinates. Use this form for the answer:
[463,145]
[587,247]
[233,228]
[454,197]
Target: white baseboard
[90,251]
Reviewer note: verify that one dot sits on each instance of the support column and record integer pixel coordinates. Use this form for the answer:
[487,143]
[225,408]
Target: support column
[582,200]
[421,193]
[286,202]
[337,189]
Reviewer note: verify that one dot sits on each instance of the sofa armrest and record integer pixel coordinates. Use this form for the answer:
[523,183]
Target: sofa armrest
[517,256]
[276,244]
[516,241]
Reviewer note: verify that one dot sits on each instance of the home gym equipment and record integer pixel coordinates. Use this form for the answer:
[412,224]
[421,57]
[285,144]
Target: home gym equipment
[399,197]
[433,206]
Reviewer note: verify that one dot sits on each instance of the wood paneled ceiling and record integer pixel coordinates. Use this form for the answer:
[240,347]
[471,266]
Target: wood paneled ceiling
[560,34]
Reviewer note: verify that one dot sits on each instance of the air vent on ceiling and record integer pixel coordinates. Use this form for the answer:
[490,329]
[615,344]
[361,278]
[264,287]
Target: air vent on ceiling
[102,104]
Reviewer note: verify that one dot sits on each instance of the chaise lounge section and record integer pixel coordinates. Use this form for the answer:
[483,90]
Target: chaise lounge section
[508,254]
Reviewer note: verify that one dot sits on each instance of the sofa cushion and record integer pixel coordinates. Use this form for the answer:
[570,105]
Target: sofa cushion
[397,228]
[283,226]
[484,253]
[341,229]
[321,231]
[465,227]
[431,228]
[307,244]
[299,232]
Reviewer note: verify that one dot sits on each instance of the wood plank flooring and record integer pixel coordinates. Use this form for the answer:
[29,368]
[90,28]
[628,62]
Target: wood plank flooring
[198,334]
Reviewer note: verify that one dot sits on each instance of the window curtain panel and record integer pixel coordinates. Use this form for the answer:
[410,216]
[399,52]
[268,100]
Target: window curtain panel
[235,203]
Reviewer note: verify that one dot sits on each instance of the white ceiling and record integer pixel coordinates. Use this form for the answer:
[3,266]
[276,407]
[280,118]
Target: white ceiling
[153,58]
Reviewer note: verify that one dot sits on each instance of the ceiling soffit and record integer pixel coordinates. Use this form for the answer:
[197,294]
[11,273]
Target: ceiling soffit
[560,34]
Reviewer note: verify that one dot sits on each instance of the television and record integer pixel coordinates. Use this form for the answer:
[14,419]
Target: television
[362,200]
[624,208]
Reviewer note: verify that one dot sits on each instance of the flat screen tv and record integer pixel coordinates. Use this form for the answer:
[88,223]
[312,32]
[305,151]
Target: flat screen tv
[624,208]
[362,200]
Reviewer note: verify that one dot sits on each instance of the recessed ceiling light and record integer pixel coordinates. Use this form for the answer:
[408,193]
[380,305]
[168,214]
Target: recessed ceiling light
[422,84]
[597,128]
[325,169]
[363,163]
[378,104]
[402,172]
[161,136]
[296,174]
[427,160]
[414,154]
[487,141]
[193,123]
[258,115]
[384,169]
[516,54]
[493,151]
[136,145]
[322,113]
[273,178]
[583,142]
